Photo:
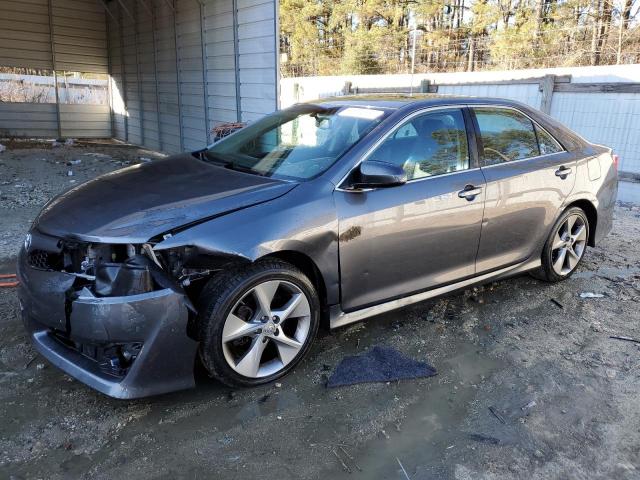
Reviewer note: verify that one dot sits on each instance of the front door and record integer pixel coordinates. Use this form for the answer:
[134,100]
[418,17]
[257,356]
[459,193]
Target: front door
[405,239]
[529,175]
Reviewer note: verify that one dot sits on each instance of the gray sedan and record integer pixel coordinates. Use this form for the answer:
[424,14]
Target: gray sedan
[333,211]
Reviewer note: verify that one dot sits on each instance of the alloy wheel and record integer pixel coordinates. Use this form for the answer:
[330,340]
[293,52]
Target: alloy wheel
[569,244]
[266,328]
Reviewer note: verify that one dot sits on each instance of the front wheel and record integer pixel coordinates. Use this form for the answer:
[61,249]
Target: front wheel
[565,247]
[257,322]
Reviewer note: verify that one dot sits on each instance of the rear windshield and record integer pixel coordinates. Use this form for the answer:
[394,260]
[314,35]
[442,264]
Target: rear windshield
[298,143]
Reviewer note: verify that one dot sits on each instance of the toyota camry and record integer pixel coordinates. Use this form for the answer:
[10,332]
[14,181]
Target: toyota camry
[326,212]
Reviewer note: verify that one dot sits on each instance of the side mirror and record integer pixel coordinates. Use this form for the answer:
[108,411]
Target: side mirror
[375,174]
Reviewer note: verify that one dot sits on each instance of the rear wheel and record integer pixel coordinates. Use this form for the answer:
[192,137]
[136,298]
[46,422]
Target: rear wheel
[256,323]
[565,247]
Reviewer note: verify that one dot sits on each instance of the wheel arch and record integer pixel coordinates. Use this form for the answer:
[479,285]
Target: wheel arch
[592,216]
[306,264]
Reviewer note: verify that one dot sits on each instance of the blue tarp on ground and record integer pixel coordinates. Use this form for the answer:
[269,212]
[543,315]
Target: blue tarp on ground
[380,364]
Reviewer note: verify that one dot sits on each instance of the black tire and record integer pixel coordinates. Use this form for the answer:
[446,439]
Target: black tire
[220,295]
[546,271]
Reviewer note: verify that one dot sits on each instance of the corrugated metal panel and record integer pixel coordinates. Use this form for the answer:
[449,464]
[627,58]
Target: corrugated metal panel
[221,65]
[85,121]
[167,79]
[146,67]
[257,57]
[174,71]
[118,103]
[28,120]
[40,120]
[79,33]
[80,36]
[25,39]
[130,72]
[65,35]
[192,90]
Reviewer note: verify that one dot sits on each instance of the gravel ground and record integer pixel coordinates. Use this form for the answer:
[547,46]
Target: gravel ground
[530,383]
[32,172]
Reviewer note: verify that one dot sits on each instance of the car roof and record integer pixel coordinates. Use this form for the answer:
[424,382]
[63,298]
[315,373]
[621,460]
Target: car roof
[400,101]
[396,101]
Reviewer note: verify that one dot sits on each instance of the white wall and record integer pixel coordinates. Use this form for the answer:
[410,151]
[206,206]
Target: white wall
[611,119]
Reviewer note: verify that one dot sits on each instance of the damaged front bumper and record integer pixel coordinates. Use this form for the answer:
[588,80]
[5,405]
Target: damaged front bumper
[123,346]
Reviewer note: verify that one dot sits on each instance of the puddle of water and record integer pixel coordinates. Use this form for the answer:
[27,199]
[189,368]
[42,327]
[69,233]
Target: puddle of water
[431,427]
[268,404]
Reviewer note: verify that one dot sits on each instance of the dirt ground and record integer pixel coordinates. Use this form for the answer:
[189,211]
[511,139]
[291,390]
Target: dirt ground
[530,383]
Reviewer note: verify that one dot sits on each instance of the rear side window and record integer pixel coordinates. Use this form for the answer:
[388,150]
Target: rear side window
[507,135]
[548,144]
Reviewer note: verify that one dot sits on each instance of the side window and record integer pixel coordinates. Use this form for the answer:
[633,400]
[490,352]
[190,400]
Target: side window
[506,135]
[431,144]
[548,144]
[407,130]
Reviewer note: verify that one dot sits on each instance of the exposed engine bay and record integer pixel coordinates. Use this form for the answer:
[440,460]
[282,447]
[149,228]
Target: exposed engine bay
[113,270]
[122,274]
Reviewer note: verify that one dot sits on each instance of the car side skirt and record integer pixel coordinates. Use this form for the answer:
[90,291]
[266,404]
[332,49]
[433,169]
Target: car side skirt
[338,318]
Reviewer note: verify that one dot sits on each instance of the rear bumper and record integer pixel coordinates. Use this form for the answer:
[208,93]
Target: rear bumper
[65,327]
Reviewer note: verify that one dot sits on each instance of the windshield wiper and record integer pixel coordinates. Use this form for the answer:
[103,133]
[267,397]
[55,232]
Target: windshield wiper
[221,162]
[242,168]
[208,156]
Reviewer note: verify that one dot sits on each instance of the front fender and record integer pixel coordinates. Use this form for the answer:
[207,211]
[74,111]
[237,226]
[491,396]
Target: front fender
[303,221]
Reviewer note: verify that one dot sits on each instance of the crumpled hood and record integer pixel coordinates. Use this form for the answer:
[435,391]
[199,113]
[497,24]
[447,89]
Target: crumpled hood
[137,203]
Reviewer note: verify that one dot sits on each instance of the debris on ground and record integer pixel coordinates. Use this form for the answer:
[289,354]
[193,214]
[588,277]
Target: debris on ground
[496,414]
[2,148]
[74,162]
[406,475]
[28,364]
[626,339]
[344,466]
[557,303]
[528,406]
[69,142]
[224,129]
[8,280]
[591,295]
[144,160]
[350,457]
[380,364]
[478,437]
[70,173]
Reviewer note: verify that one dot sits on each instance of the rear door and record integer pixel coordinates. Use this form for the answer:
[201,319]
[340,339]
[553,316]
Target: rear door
[401,240]
[528,177]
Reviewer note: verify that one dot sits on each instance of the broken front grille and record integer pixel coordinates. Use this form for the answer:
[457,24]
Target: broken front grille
[112,359]
[45,260]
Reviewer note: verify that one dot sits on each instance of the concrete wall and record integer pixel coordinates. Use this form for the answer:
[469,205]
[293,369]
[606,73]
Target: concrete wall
[608,118]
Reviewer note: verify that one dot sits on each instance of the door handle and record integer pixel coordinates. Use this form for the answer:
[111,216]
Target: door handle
[470,192]
[563,172]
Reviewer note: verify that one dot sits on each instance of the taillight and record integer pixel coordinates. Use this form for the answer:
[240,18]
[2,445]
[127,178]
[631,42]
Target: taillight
[616,160]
